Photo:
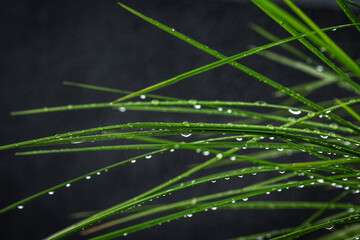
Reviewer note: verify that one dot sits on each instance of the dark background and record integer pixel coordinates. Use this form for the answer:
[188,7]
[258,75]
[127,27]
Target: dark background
[44,43]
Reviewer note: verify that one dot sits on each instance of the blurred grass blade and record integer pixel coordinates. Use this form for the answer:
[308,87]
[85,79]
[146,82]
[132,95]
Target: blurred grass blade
[348,109]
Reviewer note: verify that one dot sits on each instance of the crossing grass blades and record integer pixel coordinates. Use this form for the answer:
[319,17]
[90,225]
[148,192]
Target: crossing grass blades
[328,132]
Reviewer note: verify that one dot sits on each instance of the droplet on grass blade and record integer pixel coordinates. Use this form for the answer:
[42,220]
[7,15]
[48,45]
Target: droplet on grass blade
[122,109]
[294,112]
[186,134]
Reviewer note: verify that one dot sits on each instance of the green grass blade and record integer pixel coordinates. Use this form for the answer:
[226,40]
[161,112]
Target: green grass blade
[349,13]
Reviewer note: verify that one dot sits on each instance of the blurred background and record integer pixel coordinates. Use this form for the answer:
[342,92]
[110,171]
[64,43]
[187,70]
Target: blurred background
[44,43]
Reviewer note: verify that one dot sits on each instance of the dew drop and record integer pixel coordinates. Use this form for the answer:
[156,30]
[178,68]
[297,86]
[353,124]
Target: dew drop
[133,161]
[206,153]
[155,102]
[319,68]
[122,109]
[232,158]
[324,136]
[51,193]
[219,156]
[270,126]
[239,139]
[186,134]
[20,207]
[189,215]
[245,199]
[186,123]
[213,208]
[220,109]
[329,227]
[229,111]
[280,149]
[68,185]
[227,178]
[213,181]
[197,106]
[148,156]
[142,96]
[88,177]
[267,193]
[294,112]
[320,180]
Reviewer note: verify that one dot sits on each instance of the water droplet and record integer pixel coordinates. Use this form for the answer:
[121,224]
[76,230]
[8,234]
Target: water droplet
[133,161]
[197,106]
[295,112]
[324,136]
[229,111]
[301,186]
[205,153]
[323,49]
[280,149]
[186,134]
[267,193]
[213,208]
[245,199]
[213,181]
[254,173]
[189,215]
[329,227]
[68,185]
[20,207]
[319,68]
[198,150]
[240,176]
[227,178]
[88,177]
[232,158]
[125,234]
[142,96]
[333,30]
[320,180]
[281,172]
[219,156]
[155,102]
[186,123]
[233,201]
[220,109]
[51,193]
[270,126]
[239,139]
[122,109]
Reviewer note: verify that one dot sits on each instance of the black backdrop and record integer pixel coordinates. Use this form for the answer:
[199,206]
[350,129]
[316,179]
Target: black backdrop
[44,43]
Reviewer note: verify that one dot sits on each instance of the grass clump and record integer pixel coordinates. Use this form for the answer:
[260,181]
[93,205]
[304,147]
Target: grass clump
[326,132]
